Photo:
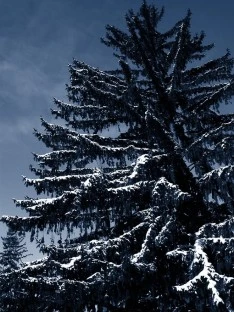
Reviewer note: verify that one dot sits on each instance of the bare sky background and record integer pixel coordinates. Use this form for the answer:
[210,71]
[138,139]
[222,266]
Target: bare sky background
[38,39]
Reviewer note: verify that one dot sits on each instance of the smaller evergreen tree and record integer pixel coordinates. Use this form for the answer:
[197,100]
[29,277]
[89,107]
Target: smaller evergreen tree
[14,250]
[11,260]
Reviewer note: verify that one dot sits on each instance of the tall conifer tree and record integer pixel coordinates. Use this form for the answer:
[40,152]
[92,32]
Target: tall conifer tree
[143,172]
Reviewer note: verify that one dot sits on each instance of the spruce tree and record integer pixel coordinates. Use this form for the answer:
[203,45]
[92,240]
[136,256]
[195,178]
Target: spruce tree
[142,172]
[11,261]
[14,250]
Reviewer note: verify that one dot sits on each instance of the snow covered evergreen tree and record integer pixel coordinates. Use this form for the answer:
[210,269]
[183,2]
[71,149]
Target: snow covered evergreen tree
[14,251]
[143,173]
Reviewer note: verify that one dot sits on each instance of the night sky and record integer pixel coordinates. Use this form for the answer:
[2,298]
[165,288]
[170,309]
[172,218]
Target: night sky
[38,39]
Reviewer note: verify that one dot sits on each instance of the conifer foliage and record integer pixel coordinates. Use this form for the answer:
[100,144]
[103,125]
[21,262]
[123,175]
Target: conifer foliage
[14,250]
[11,261]
[142,171]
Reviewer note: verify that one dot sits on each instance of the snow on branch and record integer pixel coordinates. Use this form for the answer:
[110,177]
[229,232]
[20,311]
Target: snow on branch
[207,276]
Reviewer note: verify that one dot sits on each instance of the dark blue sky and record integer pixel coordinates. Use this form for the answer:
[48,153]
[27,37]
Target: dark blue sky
[37,41]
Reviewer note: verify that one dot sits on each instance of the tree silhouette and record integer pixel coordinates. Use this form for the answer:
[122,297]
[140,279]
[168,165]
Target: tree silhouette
[143,169]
